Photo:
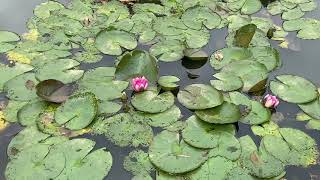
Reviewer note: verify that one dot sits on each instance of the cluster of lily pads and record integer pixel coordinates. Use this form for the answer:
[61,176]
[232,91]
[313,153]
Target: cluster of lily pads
[56,101]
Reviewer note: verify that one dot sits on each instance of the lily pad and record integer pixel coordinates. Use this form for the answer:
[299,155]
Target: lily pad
[223,114]
[228,147]
[138,163]
[196,17]
[61,70]
[7,73]
[168,153]
[54,91]
[44,10]
[168,50]
[201,134]
[226,82]
[22,87]
[77,112]
[152,102]
[110,42]
[28,114]
[200,96]
[137,63]
[258,114]
[294,89]
[168,82]
[244,35]
[312,108]
[7,36]
[122,130]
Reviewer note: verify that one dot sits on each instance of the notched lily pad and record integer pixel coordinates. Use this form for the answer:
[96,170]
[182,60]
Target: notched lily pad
[168,82]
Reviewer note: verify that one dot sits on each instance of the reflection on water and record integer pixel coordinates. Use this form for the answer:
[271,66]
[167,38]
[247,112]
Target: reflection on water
[301,59]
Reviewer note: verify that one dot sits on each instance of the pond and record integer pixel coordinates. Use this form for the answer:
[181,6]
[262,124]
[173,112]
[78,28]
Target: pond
[67,101]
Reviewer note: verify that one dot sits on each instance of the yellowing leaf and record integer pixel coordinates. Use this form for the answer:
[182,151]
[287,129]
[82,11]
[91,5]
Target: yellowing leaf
[17,57]
[32,35]
[3,123]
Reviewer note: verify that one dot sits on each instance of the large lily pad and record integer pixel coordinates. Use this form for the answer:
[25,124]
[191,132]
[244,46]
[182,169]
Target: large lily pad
[200,96]
[77,112]
[258,114]
[223,114]
[312,108]
[22,87]
[201,134]
[168,153]
[152,102]
[7,73]
[137,63]
[168,50]
[294,89]
[123,130]
[196,17]
[28,114]
[61,70]
[110,42]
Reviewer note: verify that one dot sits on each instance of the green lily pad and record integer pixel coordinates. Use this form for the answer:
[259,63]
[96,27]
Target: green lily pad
[312,108]
[245,6]
[223,114]
[228,147]
[268,128]
[7,36]
[201,134]
[108,107]
[114,10]
[168,153]
[7,73]
[168,82]
[25,139]
[267,56]
[152,102]
[163,119]
[22,87]
[200,96]
[110,42]
[61,70]
[258,114]
[244,35]
[137,63]
[196,17]
[293,89]
[28,114]
[77,112]
[44,10]
[11,110]
[259,163]
[138,163]
[100,81]
[294,13]
[168,50]
[143,26]
[226,82]
[114,128]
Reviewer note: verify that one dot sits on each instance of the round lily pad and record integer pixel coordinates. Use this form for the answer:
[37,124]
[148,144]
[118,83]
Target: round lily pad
[28,114]
[312,108]
[222,114]
[61,70]
[44,9]
[294,89]
[228,147]
[123,130]
[196,17]
[168,153]
[226,82]
[168,50]
[168,82]
[200,96]
[258,114]
[152,102]
[7,36]
[22,87]
[77,112]
[110,42]
[201,134]
[7,73]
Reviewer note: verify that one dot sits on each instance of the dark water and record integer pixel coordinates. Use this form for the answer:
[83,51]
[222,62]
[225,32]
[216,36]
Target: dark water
[303,59]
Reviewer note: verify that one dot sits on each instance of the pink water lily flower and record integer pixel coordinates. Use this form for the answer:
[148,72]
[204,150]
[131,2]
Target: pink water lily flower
[271,101]
[139,84]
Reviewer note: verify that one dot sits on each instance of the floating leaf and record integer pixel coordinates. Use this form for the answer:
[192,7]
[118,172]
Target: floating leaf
[122,130]
[222,114]
[77,112]
[312,108]
[244,35]
[152,102]
[168,50]
[110,42]
[228,147]
[7,72]
[28,114]
[61,70]
[168,82]
[258,114]
[44,10]
[168,153]
[108,107]
[137,63]
[138,163]
[196,17]
[200,96]
[7,36]
[201,134]
[293,89]
[226,82]
[54,91]
[22,87]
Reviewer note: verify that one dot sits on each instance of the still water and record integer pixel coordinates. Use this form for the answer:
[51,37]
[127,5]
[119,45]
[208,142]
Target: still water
[302,59]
